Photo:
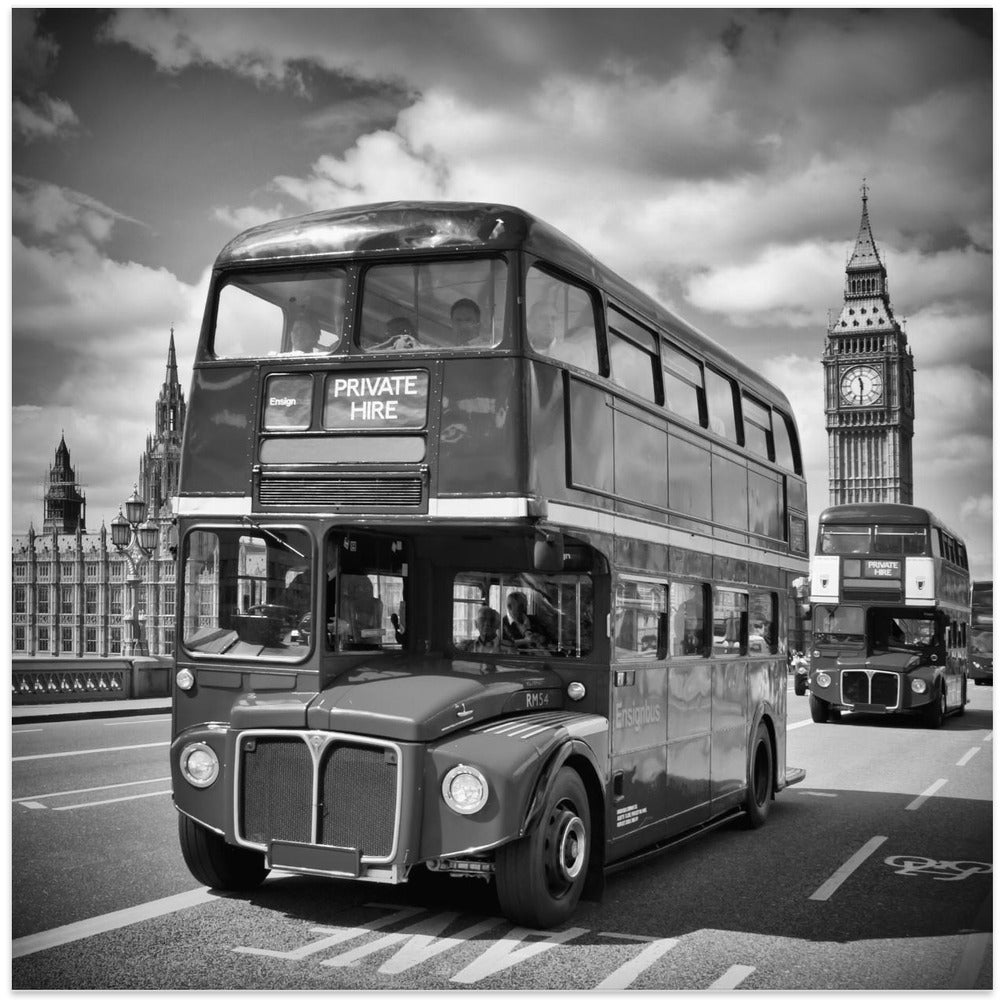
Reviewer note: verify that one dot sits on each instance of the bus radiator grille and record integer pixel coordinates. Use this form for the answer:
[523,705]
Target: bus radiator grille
[362,491]
[276,781]
[880,689]
[358,790]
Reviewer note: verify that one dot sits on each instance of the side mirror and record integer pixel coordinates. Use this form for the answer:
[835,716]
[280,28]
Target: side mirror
[662,635]
[548,555]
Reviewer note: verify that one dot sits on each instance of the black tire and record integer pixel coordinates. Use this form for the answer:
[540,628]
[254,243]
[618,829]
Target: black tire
[760,779]
[819,709]
[540,877]
[937,709]
[217,864]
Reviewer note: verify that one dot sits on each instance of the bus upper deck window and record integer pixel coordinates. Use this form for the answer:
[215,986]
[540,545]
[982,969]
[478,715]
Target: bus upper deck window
[458,304]
[721,409]
[844,540]
[292,313]
[560,320]
[900,540]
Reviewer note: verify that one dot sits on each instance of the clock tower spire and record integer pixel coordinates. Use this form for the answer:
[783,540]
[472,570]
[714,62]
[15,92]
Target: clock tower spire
[868,378]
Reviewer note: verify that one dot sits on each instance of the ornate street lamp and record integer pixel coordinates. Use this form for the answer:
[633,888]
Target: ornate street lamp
[129,532]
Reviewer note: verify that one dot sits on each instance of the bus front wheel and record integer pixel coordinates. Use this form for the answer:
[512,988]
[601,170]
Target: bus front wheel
[819,709]
[760,782]
[937,710]
[540,877]
[217,864]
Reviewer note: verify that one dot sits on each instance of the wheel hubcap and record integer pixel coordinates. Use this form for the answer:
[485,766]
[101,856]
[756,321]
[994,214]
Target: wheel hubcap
[565,849]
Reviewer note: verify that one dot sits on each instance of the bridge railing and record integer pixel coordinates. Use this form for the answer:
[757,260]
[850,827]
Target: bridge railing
[60,679]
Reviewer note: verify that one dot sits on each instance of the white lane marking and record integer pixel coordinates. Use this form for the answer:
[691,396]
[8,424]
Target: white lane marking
[511,950]
[105,802]
[799,725]
[967,757]
[93,788]
[42,941]
[133,722]
[821,795]
[627,974]
[844,872]
[18,731]
[988,737]
[732,977]
[34,805]
[77,753]
[925,795]
[339,935]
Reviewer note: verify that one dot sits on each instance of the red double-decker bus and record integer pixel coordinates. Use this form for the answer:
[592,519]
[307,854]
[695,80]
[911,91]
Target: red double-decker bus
[484,563]
[891,604]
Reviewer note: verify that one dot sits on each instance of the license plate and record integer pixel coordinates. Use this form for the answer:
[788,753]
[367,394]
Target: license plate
[319,858]
[868,708]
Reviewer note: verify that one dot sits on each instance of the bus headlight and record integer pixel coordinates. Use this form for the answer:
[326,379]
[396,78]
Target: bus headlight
[823,680]
[199,765]
[576,690]
[465,789]
[918,685]
[184,679]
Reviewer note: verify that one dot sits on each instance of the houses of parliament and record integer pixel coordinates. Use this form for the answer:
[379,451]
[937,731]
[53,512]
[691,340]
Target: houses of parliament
[69,584]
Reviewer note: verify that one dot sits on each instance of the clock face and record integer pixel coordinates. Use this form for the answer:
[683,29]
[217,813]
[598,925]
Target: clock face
[861,385]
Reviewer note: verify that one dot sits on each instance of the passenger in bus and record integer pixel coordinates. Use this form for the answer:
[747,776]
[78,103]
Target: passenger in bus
[523,630]
[304,335]
[401,334]
[466,317]
[542,326]
[361,609]
[488,626]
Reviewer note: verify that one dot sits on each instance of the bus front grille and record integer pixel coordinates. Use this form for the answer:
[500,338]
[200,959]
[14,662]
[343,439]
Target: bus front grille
[355,788]
[341,491]
[859,687]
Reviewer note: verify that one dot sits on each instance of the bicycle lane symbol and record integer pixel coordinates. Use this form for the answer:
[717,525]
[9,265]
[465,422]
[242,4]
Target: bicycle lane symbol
[939,871]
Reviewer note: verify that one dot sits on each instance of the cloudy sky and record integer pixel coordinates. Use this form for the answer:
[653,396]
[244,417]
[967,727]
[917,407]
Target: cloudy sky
[713,157]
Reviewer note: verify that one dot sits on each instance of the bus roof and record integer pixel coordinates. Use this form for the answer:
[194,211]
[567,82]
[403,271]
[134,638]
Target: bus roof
[400,226]
[893,513]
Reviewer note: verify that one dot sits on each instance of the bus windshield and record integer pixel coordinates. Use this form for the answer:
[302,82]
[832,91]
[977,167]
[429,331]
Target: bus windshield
[898,628]
[247,592]
[982,641]
[523,614]
[841,623]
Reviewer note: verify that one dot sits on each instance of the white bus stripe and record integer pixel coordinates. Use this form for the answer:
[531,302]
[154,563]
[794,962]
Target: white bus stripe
[78,753]
[844,872]
[93,788]
[623,977]
[968,756]
[925,795]
[68,933]
[105,802]
[732,977]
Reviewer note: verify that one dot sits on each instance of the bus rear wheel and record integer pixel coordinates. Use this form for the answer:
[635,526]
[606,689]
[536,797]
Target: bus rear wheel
[760,783]
[819,709]
[540,877]
[217,864]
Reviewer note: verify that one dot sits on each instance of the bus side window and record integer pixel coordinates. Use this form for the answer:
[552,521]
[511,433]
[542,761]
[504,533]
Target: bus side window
[560,320]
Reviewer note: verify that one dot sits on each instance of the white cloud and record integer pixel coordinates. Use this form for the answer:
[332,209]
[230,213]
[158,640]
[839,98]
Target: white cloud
[48,118]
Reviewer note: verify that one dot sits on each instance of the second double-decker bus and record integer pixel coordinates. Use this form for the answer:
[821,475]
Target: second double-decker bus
[484,563]
[890,596]
[981,641]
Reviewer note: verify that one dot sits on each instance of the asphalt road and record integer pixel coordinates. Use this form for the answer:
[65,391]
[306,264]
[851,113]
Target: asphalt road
[874,873]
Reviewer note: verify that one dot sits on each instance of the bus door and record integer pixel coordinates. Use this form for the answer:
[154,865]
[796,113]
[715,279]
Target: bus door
[638,707]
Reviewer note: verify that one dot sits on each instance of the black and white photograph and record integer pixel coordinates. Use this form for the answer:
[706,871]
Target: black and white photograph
[501,499]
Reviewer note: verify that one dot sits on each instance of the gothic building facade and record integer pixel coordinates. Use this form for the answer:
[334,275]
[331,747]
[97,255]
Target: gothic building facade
[868,379]
[70,587]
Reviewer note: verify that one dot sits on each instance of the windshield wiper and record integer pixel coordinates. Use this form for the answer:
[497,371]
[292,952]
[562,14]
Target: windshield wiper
[270,534]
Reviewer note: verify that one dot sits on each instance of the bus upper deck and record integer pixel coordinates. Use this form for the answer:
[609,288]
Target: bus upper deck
[527,376]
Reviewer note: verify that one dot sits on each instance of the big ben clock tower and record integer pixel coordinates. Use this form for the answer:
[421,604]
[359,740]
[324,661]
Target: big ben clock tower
[868,375]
